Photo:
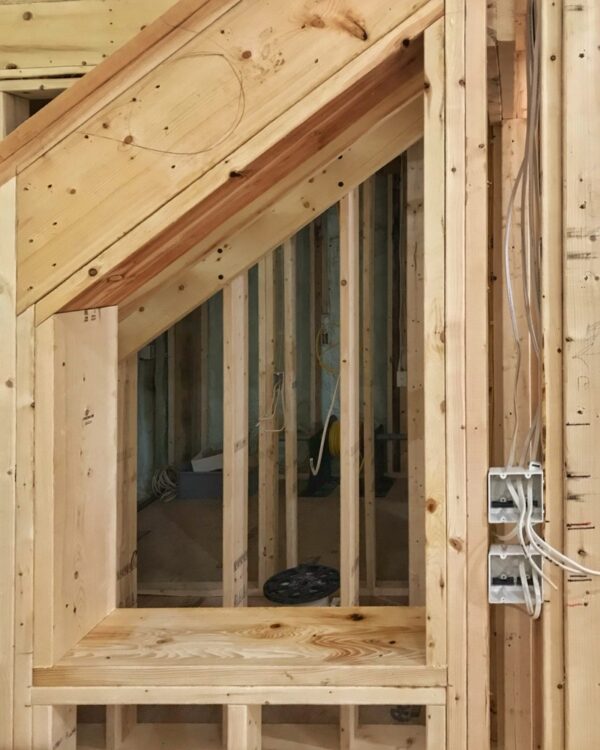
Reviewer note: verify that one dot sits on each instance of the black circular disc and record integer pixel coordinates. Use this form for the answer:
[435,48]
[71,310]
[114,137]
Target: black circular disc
[302,585]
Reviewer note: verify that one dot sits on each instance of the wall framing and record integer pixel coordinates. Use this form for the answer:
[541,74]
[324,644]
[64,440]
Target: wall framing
[455,291]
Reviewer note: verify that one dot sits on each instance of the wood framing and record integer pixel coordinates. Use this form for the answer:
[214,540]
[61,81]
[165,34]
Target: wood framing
[76,477]
[436,293]
[414,365]
[120,720]
[8,453]
[152,310]
[349,399]
[280,119]
[124,205]
[291,404]
[43,39]
[235,442]
[368,415]
[244,727]
[268,437]
[349,385]
[581,271]
[466,353]
[217,651]
[551,142]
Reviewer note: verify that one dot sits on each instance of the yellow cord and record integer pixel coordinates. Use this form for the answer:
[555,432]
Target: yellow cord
[333,439]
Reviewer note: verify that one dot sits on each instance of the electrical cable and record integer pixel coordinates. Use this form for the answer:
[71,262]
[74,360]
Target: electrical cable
[278,397]
[528,183]
[315,471]
[164,484]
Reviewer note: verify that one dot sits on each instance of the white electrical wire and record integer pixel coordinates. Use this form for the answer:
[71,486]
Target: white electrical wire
[164,484]
[277,398]
[527,181]
[315,471]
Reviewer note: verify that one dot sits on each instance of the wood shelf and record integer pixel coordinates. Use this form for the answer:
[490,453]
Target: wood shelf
[319,655]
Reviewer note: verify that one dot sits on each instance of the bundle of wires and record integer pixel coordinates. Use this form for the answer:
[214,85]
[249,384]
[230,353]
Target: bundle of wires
[527,187]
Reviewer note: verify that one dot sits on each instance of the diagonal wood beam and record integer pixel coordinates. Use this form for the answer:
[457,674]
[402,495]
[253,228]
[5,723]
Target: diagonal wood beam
[136,170]
[153,311]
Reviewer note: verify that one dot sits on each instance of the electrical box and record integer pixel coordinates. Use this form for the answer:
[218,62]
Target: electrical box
[505,586]
[501,506]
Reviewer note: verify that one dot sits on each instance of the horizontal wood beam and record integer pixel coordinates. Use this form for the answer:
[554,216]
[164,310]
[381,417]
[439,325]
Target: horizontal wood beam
[280,696]
[150,313]
[145,182]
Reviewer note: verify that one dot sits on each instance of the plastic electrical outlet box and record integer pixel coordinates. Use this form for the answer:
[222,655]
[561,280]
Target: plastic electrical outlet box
[501,507]
[504,576]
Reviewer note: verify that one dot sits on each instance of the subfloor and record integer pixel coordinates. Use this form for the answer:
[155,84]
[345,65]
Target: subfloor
[180,542]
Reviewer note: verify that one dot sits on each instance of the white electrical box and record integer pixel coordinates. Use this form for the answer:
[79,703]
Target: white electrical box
[504,574]
[501,506]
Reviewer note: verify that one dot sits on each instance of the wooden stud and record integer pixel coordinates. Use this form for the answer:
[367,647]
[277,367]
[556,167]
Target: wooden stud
[171,397]
[315,244]
[581,303]
[235,463]
[127,483]
[436,727]
[120,723]
[466,389]
[235,442]
[434,354]
[350,424]
[120,720]
[268,438]
[515,727]
[204,376]
[291,405]
[475,198]
[54,726]
[25,477]
[14,557]
[368,413]
[14,110]
[8,449]
[552,319]
[415,367]
[349,398]
[244,727]
[390,374]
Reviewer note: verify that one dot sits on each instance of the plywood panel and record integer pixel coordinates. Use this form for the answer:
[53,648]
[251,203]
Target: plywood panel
[135,154]
[46,36]
[76,477]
